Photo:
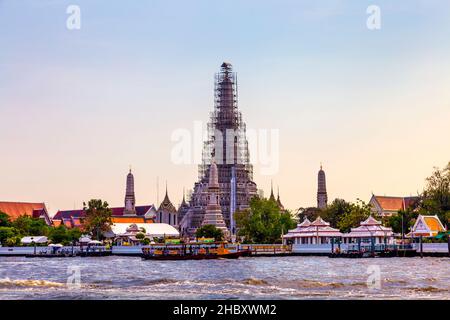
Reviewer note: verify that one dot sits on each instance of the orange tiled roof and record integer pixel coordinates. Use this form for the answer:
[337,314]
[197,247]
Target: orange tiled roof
[433,223]
[390,203]
[17,209]
[129,220]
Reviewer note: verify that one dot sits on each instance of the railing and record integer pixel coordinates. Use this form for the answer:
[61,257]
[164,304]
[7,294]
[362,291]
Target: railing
[266,248]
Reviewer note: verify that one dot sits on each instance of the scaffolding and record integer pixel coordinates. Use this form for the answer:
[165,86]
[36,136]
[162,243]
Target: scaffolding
[226,132]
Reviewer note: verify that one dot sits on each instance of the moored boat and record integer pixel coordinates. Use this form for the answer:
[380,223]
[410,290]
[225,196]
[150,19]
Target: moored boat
[191,251]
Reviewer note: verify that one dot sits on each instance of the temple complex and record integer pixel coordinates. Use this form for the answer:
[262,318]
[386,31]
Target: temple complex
[228,145]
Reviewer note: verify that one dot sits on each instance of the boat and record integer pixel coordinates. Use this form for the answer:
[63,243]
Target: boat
[191,251]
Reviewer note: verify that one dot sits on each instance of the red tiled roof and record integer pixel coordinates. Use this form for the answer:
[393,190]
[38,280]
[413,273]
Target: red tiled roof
[395,203]
[17,209]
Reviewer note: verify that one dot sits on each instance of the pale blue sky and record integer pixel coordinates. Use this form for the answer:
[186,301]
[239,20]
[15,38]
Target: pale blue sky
[77,107]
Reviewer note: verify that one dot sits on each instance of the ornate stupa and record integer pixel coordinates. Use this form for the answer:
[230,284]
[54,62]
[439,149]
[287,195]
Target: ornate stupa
[213,212]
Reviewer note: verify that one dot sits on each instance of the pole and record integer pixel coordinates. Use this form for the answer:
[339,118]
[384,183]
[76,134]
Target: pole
[421,246]
[448,239]
[332,245]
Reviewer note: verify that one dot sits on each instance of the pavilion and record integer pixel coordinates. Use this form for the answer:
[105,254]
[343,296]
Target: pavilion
[370,229]
[316,232]
[426,226]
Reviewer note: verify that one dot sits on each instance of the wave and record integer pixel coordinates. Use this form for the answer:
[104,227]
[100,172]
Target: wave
[29,283]
[255,282]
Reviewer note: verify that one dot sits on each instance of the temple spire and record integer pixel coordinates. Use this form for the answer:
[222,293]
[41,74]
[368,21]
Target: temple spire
[272,196]
[130,198]
[322,197]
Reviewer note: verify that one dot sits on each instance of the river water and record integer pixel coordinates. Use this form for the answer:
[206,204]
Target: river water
[246,278]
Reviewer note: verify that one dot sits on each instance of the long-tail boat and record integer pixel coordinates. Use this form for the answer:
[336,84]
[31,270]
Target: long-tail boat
[190,251]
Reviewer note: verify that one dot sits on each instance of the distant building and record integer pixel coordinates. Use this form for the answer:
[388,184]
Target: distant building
[31,209]
[128,214]
[426,226]
[386,206]
[277,200]
[322,197]
[75,218]
[167,213]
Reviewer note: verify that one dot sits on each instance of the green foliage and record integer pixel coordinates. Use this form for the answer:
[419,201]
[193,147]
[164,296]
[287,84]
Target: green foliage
[435,198]
[4,220]
[209,231]
[264,222]
[140,236]
[356,213]
[28,226]
[7,233]
[13,241]
[408,216]
[98,218]
[146,241]
[63,235]
[336,211]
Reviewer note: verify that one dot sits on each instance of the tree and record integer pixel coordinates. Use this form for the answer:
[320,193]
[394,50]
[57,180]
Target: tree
[58,234]
[28,226]
[335,211]
[264,222]
[98,217]
[435,199]
[209,231]
[73,235]
[4,220]
[408,217]
[140,236]
[7,233]
[311,213]
[358,212]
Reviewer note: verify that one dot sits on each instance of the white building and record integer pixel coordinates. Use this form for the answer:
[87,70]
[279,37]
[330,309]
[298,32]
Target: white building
[316,232]
[370,229]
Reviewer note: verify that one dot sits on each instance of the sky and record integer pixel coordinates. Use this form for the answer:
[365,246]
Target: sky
[78,107]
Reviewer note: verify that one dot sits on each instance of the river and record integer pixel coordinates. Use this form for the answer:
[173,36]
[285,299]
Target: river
[296,277]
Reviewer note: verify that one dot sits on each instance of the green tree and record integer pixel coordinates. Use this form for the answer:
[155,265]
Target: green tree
[209,231]
[7,233]
[73,235]
[408,217]
[28,226]
[98,217]
[336,211]
[359,211]
[140,236]
[4,220]
[264,222]
[435,199]
[58,235]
